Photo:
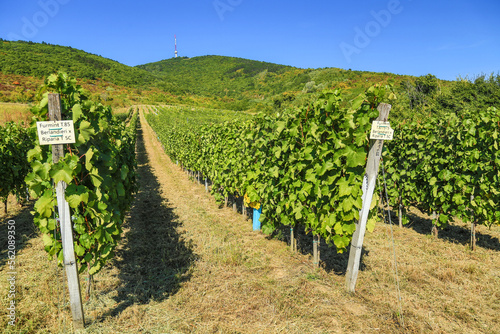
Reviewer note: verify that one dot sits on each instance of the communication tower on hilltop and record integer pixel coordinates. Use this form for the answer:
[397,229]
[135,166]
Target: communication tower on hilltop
[175,36]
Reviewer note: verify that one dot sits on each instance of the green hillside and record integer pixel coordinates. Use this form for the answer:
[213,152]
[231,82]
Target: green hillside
[221,76]
[41,59]
[256,84]
[215,81]
[234,77]
[228,82]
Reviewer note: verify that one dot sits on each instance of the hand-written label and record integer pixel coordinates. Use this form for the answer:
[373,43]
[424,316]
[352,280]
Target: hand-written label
[381,130]
[55,132]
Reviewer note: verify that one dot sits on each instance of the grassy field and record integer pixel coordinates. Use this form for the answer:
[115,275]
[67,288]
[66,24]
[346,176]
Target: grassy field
[14,112]
[185,265]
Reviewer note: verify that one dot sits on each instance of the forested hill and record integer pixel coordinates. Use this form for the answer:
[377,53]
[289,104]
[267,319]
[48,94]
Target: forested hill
[223,76]
[243,78]
[41,59]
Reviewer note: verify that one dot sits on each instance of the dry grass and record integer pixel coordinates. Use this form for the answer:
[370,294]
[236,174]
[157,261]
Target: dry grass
[187,266]
[14,112]
[121,110]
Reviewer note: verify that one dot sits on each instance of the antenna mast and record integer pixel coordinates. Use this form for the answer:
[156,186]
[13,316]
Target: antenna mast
[175,36]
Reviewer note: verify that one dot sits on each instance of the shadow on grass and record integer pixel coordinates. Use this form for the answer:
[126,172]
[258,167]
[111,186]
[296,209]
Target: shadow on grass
[452,233]
[24,228]
[330,259]
[155,258]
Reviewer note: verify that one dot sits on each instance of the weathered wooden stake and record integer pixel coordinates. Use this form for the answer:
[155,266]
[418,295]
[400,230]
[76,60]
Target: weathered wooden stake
[206,184]
[473,235]
[400,216]
[70,264]
[316,255]
[292,240]
[369,180]
[434,229]
[296,243]
[319,249]
[473,229]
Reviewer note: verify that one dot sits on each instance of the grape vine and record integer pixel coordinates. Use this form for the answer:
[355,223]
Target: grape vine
[15,142]
[448,165]
[99,170]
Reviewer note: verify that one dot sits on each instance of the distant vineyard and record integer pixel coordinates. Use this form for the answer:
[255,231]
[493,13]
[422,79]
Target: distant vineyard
[305,166]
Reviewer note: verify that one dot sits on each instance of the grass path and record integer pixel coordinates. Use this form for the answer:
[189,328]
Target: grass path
[225,277]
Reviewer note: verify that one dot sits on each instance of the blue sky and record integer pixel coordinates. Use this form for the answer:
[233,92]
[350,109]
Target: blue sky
[416,37]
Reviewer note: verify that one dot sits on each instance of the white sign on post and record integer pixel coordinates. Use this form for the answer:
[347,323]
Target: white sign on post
[381,130]
[55,132]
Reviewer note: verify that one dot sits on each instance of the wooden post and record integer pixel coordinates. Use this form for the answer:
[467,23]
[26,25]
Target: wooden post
[434,229]
[235,209]
[400,216]
[292,240]
[316,241]
[319,249]
[473,229]
[473,235]
[296,242]
[368,187]
[206,184]
[66,227]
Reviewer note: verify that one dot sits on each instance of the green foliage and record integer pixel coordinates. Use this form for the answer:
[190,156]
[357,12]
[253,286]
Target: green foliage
[15,142]
[471,96]
[427,96]
[305,166]
[99,170]
[440,164]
